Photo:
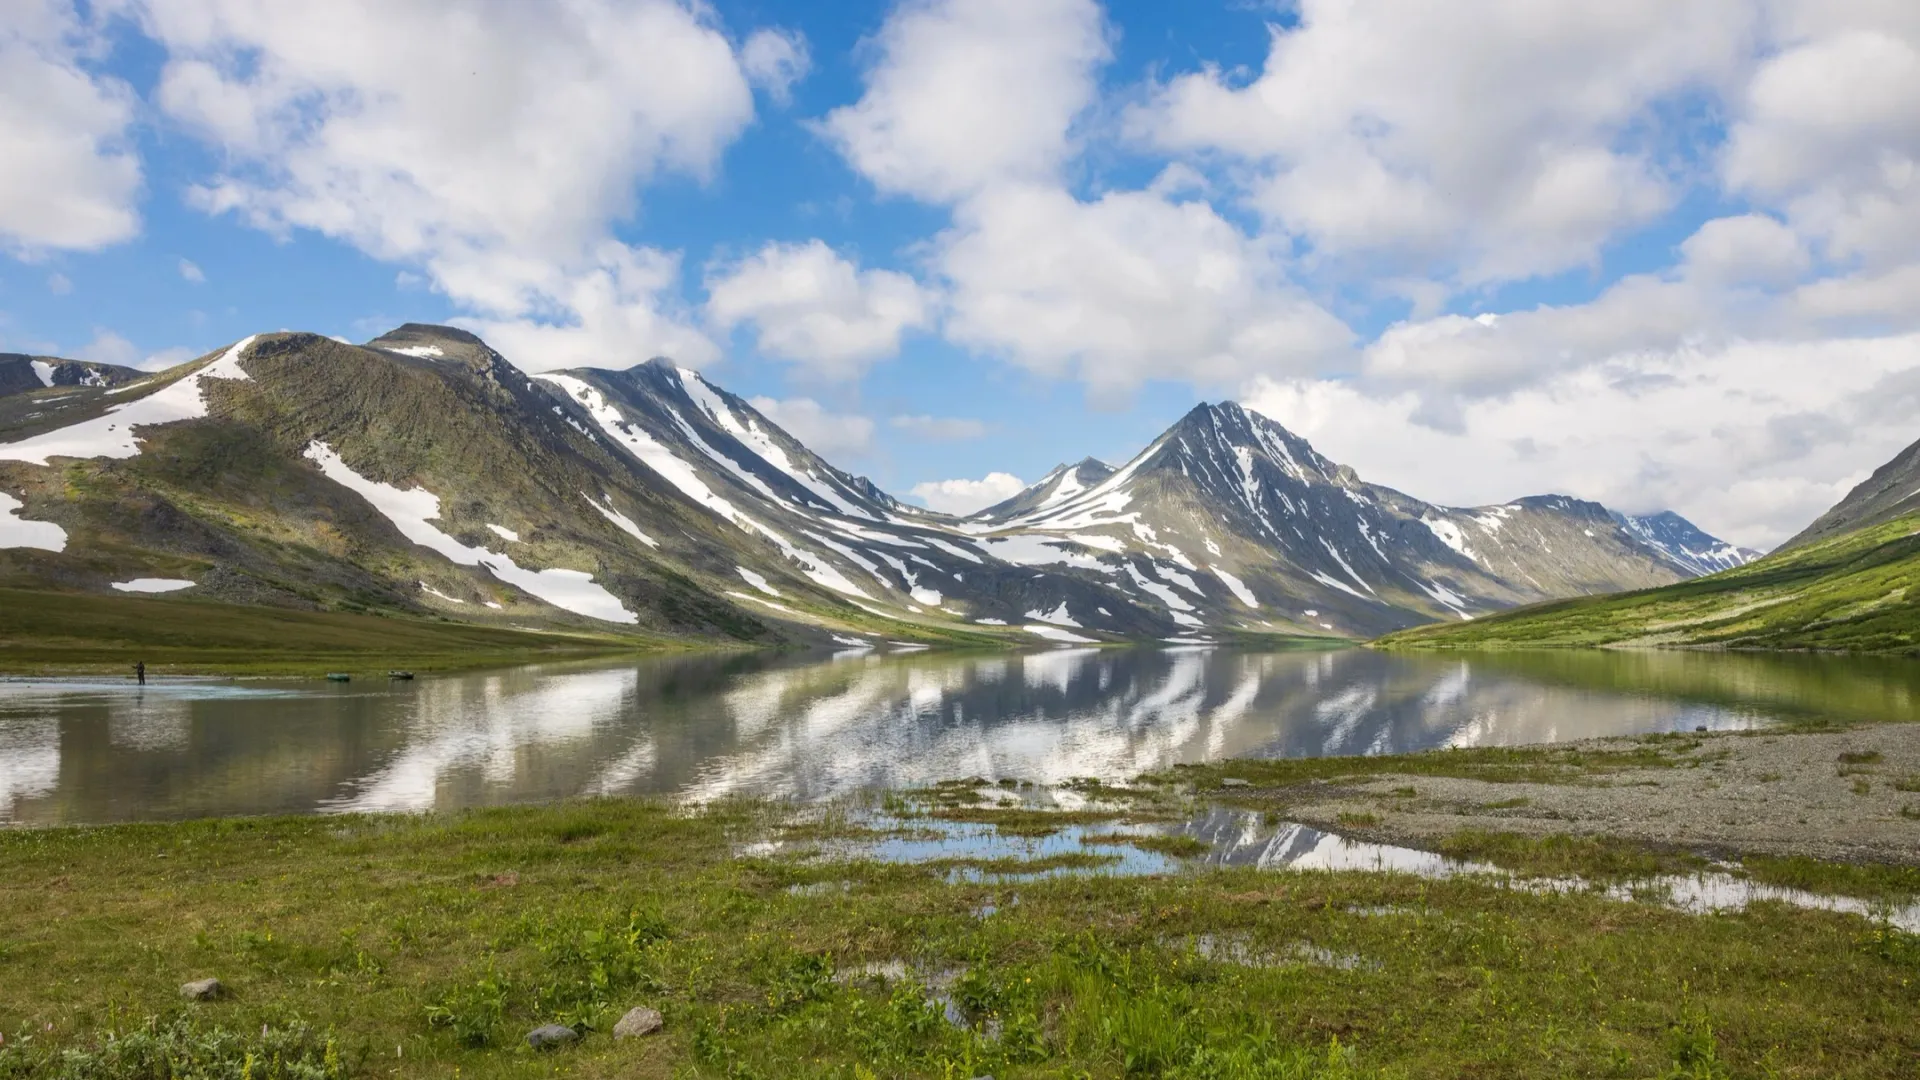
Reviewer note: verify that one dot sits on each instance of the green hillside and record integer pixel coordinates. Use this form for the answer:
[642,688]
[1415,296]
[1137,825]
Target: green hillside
[1850,593]
[64,632]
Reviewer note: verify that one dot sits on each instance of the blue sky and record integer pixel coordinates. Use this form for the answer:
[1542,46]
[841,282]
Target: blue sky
[1507,251]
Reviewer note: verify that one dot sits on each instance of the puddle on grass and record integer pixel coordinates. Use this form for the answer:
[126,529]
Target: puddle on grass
[980,853]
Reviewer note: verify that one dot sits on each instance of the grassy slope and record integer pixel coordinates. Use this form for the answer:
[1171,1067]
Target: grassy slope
[44,631]
[428,945]
[1852,593]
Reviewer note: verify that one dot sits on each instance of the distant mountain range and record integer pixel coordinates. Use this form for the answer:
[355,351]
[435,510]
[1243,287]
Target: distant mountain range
[21,373]
[422,474]
[1849,583]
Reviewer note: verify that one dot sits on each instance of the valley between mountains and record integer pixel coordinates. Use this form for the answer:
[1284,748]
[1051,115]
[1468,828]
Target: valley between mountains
[423,475]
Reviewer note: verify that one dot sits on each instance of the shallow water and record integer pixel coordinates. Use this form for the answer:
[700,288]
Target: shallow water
[818,727]
[1245,838]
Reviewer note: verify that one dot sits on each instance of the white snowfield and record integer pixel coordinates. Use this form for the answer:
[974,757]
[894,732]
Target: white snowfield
[424,352]
[504,533]
[43,370]
[111,434]
[17,532]
[154,585]
[412,512]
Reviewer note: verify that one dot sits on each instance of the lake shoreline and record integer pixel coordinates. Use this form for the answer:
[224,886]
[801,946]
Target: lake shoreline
[1848,796]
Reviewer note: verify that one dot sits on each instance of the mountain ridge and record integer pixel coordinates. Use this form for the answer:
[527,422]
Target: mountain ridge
[422,473]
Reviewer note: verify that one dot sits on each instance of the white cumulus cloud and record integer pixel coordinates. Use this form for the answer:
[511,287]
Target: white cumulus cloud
[69,177]
[1750,440]
[966,93]
[774,60]
[493,148]
[1129,287]
[966,496]
[1475,141]
[830,434]
[813,307]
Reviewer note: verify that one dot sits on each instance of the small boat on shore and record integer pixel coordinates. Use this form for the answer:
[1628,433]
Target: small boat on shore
[405,676]
[339,676]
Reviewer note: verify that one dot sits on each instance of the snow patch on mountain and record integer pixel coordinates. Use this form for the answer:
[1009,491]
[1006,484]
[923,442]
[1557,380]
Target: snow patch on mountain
[17,532]
[758,581]
[1054,633]
[412,511]
[1236,586]
[153,585]
[43,370]
[620,521]
[1174,601]
[1059,616]
[504,533]
[111,434]
[1450,535]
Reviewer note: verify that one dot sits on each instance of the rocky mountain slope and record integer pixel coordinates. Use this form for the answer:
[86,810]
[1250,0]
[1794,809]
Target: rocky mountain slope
[1892,491]
[422,474]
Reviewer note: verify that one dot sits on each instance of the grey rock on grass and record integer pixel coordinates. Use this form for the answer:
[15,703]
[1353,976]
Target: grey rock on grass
[202,990]
[638,1022]
[550,1036]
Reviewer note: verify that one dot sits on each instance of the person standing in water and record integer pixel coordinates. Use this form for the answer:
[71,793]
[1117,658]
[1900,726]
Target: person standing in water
[140,671]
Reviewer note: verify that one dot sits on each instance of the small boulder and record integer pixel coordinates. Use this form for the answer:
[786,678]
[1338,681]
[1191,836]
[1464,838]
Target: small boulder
[1234,781]
[202,990]
[549,1036]
[638,1022]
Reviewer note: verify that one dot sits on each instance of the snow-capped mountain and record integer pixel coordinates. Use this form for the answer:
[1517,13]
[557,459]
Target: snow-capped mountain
[1063,483]
[21,373]
[1229,519]
[1683,543]
[421,473]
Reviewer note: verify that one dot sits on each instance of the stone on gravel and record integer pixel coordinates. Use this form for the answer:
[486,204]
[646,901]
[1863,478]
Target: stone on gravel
[202,990]
[638,1022]
[548,1036]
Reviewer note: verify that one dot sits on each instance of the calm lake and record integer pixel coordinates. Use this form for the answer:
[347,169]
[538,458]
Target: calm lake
[816,727]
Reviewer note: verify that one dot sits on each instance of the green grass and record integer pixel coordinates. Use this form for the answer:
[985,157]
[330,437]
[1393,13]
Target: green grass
[1872,881]
[1174,847]
[429,945]
[44,632]
[1852,593]
[1596,858]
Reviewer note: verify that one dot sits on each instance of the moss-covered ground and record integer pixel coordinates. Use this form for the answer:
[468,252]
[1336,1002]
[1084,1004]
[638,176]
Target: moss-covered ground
[429,946]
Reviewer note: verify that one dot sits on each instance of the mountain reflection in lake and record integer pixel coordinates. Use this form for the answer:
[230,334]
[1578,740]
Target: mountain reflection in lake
[707,727]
